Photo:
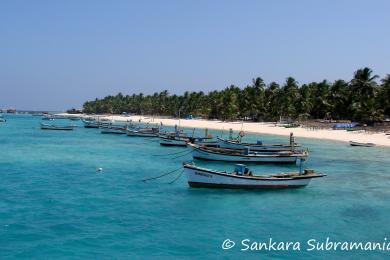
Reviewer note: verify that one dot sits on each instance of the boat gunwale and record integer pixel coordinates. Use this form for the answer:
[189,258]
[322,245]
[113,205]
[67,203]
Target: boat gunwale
[208,150]
[255,177]
[259,145]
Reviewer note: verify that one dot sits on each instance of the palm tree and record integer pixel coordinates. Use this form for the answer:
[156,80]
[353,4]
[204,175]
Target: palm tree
[272,105]
[364,88]
[339,99]
[289,98]
[385,95]
[258,97]
[360,99]
[304,103]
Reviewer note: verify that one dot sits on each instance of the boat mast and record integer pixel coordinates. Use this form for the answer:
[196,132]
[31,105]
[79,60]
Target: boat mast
[292,141]
[230,134]
[301,160]
[179,118]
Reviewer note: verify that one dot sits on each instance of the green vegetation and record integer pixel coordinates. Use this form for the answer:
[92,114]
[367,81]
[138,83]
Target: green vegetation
[361,99]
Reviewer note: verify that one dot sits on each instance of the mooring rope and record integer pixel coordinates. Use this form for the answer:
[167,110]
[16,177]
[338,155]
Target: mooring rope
[183,151]
[162,175]
[177,177]
[180,155]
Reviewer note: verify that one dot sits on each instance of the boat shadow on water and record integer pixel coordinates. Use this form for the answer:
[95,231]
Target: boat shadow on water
[225,191]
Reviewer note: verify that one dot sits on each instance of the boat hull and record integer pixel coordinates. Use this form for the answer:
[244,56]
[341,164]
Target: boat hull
[352,143]
[90,123]
[91,126]
[199,178]
[256,147]
[141,133]
[173,142]
[269,158]
[113,131]
[57,128]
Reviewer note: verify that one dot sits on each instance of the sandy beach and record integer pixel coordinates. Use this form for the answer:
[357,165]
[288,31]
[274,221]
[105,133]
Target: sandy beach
[379,139]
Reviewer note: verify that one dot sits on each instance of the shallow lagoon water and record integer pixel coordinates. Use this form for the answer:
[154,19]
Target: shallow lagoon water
[55,205]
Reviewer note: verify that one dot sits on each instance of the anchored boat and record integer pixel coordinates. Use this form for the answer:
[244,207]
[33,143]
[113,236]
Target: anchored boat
[96,123]
[352,143]
[243,178]
[143,132]
[259,146]
[113,129]
[204,141]
[173,140]
[90,123]
[48,118]
[246,155]
[57,127]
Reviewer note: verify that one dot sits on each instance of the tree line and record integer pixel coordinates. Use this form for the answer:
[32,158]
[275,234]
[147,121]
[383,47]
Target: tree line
[365,98]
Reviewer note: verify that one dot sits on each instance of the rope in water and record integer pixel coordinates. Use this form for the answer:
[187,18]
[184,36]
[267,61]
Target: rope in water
[162,175]
[180,155]
[183,151]
[181,173]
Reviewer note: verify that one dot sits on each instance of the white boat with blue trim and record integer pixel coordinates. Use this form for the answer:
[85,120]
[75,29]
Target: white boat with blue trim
[173,140]
[243,178]
[258,146]
[113,129]
[246,155]
[143,132]
[57,127]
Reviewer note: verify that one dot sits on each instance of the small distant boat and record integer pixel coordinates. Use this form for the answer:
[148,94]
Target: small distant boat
[91,122]
[117,130]
[176,138]
[246,155]
[259,146]
[48,117]
[204,141]
[57,127]
[352,143]
[242,178]
[173,140]
[2,119]
[143,132]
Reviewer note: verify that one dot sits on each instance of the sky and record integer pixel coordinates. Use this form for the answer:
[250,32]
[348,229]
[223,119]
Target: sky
[55,55]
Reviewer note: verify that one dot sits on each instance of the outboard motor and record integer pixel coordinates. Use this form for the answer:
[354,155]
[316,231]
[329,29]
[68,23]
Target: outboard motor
[259,142]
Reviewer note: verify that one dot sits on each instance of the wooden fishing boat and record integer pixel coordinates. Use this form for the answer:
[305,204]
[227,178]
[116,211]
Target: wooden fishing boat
[242,178]
[204,141]
[259,146]
[96,123]
[233,155]
[173,140]
[143,132]
[90,123]
[57,127]
[113,129]
[352,143]
[48,118]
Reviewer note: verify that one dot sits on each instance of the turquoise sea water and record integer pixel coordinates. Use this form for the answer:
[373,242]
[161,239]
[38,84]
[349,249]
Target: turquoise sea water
[53,203]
